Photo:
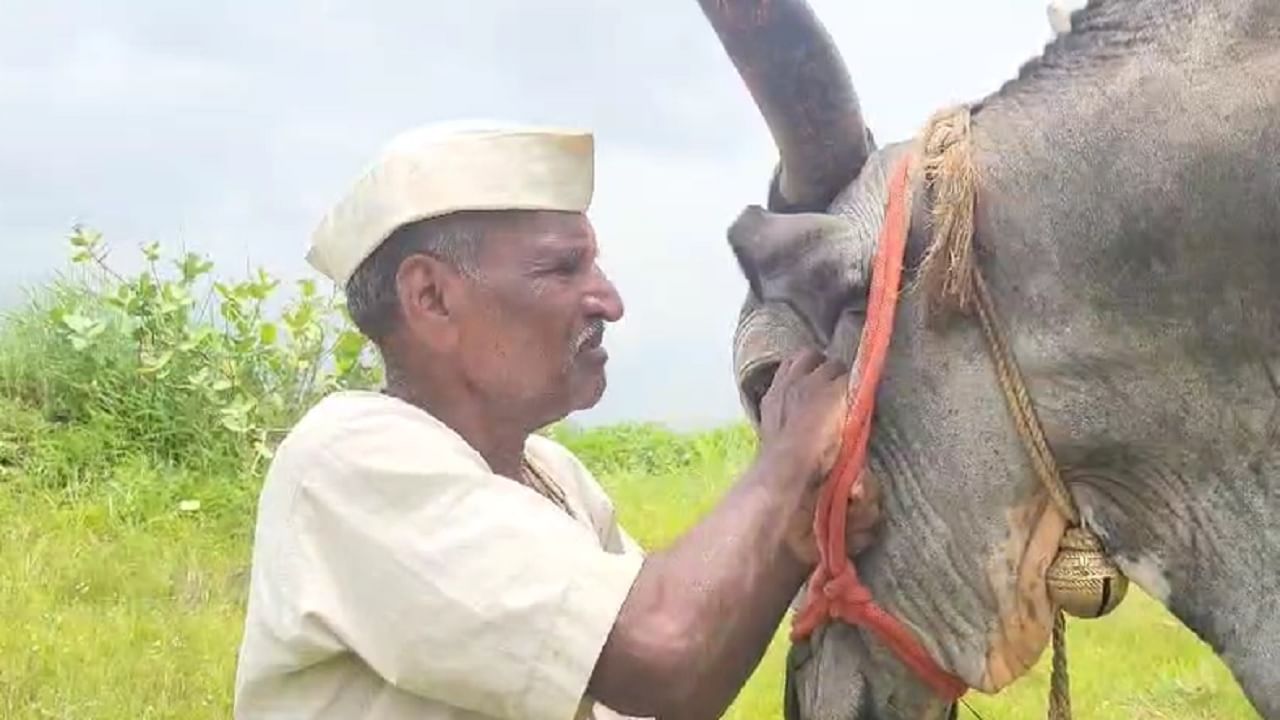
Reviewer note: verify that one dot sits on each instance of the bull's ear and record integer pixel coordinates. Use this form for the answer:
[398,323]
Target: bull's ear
[812,262]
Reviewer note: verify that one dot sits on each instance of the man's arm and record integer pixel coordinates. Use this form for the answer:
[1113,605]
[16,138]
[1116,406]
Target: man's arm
[702,612]
[393,562]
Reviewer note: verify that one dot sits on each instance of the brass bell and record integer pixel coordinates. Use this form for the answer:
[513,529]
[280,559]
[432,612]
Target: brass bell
[1082,579]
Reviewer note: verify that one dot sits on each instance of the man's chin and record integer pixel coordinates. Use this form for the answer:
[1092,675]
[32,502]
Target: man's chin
[588,391]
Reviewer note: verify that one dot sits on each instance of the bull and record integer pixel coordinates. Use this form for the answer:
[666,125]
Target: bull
[1127,225]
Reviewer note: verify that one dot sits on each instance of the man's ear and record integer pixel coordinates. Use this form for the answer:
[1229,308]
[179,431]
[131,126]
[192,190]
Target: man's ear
[428,292]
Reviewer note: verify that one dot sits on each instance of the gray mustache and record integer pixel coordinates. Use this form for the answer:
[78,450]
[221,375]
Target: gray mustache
[591,333]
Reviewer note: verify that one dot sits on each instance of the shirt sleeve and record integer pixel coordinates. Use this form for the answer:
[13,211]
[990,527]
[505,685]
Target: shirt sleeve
[462,586]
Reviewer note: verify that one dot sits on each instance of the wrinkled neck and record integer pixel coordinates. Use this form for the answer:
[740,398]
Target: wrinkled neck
[1131,250]
[1201,540]
[499,438]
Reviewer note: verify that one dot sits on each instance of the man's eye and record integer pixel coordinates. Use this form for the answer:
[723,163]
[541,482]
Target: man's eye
[566,266]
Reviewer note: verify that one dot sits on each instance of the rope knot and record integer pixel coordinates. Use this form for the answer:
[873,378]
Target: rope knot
[845,589]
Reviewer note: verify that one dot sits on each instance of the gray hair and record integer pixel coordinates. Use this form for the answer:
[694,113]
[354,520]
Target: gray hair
[372,298]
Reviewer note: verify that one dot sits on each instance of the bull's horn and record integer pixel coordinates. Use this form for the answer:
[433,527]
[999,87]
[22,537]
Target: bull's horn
[800,84]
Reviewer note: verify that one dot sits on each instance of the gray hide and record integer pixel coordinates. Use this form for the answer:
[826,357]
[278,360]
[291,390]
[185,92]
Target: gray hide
[1129,227]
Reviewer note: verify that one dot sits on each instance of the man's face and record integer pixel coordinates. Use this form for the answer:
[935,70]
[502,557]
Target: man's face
[531,326]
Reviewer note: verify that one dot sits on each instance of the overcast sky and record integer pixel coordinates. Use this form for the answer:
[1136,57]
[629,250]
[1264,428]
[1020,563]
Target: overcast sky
[228,128]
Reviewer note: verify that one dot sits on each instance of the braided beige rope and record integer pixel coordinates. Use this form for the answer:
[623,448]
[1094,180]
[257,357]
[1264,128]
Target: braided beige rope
[951,282]
[1059,682]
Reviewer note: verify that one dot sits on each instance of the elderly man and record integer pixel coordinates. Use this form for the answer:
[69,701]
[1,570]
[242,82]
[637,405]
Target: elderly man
[422,553]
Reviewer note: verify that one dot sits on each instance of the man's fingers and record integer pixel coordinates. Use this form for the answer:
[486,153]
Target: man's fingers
[864,504]
[868,490]
[863,519]
[864,510]
[781,378]
[856,542]
[807,360]
[833,368]
[794,365]
[784,368]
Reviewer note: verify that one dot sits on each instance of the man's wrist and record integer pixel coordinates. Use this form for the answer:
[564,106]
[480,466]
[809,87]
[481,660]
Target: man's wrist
[792,485]
[787,467]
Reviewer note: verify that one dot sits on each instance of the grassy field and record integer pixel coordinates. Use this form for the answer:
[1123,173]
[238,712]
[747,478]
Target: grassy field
[136,415]
[115,603]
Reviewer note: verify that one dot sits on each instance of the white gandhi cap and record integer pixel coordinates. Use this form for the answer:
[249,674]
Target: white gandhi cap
[443,168]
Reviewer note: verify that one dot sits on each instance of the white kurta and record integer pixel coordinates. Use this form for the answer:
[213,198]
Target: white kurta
[396,576]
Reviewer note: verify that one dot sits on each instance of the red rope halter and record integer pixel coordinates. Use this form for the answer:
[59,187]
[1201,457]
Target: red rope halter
[834,590]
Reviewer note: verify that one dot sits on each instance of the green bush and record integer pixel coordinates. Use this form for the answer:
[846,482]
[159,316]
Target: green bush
[175,364]
[651,448]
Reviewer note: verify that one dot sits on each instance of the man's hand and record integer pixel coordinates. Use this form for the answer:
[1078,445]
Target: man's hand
[861,519]
[802,416]
[803,412]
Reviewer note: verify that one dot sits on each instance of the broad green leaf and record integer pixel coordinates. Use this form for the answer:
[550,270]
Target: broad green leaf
[349,344]
[82,237]
[151,365]
[76,322]
[193,266]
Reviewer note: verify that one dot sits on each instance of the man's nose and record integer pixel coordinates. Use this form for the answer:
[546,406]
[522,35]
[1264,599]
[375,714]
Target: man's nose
[603,298]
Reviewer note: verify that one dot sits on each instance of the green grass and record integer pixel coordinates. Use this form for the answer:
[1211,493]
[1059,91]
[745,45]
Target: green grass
[125,400]
[115,603]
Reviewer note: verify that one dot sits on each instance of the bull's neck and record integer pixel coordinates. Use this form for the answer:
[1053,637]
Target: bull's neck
[1130,235]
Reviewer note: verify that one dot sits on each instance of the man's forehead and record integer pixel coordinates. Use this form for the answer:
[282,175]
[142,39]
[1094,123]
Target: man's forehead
[537,230]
